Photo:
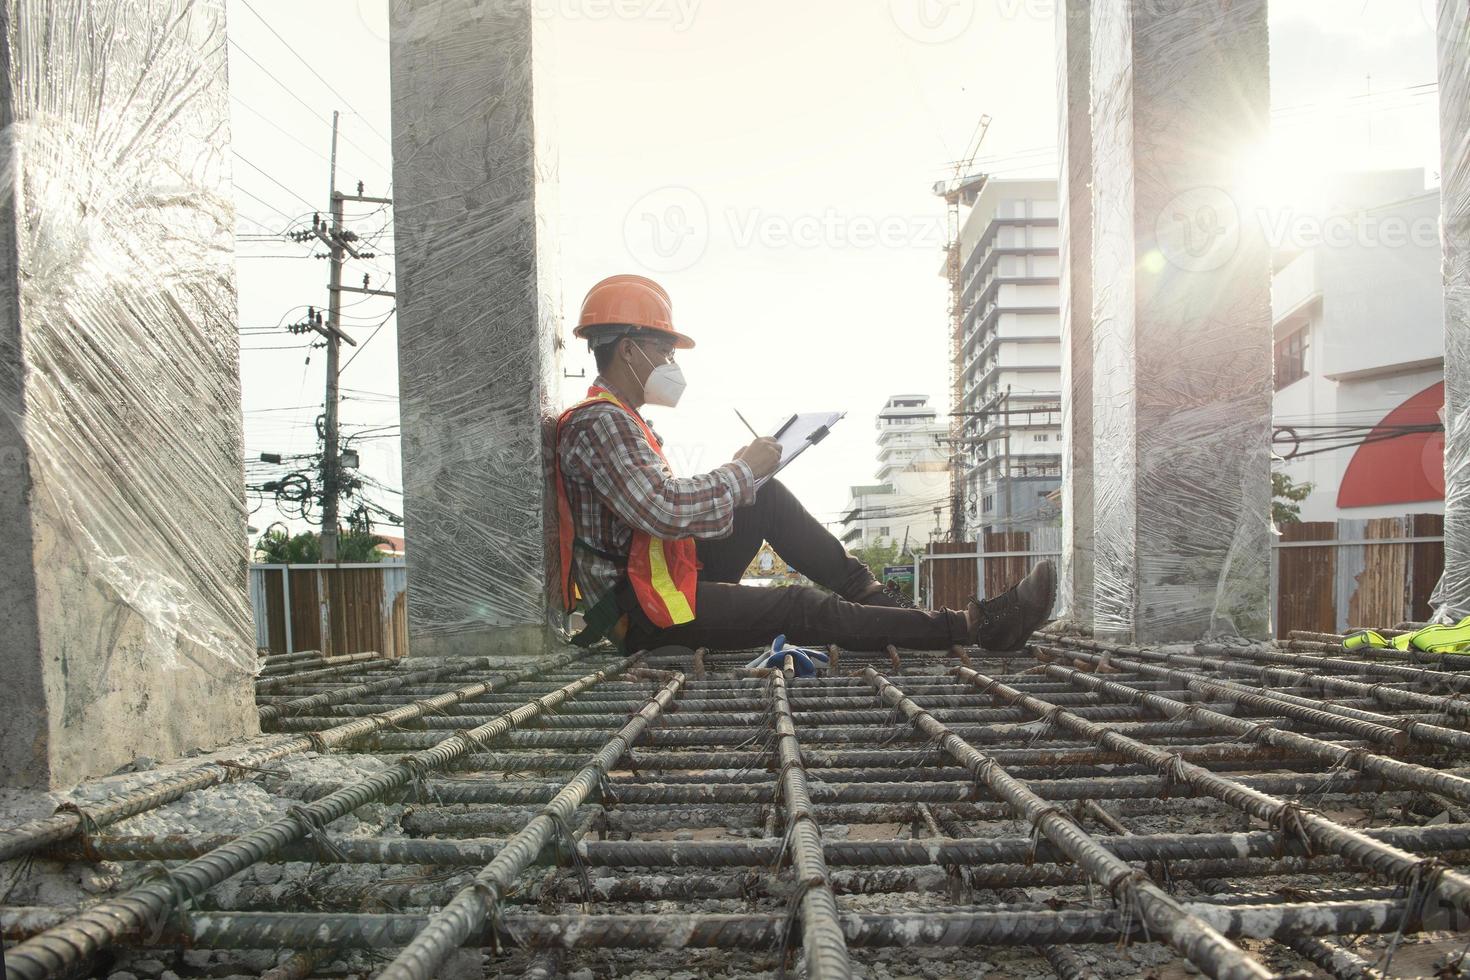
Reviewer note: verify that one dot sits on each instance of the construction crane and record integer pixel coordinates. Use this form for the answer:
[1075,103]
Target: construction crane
[960,189]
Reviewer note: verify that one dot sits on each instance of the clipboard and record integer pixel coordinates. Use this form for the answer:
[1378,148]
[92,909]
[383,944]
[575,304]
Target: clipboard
[800,431]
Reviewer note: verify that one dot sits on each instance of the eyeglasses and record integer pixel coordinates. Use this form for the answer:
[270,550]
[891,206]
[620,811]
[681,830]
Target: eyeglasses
[658,354]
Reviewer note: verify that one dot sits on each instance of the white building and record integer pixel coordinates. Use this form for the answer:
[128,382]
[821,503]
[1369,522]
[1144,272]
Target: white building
[1011,356]
[909,502]
[1358,312]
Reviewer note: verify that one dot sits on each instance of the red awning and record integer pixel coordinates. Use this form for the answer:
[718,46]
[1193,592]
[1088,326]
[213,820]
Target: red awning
[1403,470]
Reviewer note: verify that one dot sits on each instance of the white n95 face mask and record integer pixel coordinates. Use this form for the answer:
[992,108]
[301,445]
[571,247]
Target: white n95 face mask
[664,385]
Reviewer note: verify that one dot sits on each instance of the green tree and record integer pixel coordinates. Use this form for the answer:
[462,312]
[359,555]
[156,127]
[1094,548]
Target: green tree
[878,554]
[1286,498]
[279,547]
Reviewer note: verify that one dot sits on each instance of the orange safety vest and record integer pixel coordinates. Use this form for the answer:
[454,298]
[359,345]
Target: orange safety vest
[663,573]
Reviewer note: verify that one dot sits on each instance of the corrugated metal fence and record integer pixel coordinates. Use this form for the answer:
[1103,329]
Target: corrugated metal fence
[337,609]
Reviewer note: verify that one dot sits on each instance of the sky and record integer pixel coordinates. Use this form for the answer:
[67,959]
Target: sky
[770,162]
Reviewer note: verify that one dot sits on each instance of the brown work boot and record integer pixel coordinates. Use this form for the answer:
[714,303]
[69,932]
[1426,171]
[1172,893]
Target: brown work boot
[1007,621]
[878,594]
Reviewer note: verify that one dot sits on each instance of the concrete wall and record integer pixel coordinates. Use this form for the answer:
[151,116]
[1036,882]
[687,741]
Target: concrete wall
[1074,229]
[478,322]
[124,608]
[1181,320]
[1452,597]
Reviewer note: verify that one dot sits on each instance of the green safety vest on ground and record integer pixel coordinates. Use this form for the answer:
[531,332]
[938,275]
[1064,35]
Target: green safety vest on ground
[1431,639]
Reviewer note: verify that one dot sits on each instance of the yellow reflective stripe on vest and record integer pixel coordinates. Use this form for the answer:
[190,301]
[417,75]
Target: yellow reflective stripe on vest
[663,584]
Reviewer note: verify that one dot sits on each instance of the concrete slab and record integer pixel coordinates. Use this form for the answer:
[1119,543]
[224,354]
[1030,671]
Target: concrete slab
[1074,199]
[1181,320]
[127,627]
[1452,598]
[478,326]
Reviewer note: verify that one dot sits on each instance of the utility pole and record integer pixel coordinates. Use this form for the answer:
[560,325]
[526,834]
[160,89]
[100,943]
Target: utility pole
[335,259]
[338,239]
[334,235]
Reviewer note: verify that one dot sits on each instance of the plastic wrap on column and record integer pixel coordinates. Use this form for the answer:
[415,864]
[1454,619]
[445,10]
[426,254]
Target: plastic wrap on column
[1074,200]
[478,313]
[120,400]
[1451,598]
[1181,302]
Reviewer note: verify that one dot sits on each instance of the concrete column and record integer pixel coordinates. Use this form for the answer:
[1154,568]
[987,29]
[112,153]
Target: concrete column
[123,603]
[1452,597]
[1181,320]
[1074,199]
[477,322]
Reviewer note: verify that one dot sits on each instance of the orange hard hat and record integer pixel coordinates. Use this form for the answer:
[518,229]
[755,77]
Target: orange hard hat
[628,301]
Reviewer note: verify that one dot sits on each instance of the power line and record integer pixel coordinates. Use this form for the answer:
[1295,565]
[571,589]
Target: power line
[263,201]
[286,44]
[292,92]
[245,160]
[364,344]
[279,128]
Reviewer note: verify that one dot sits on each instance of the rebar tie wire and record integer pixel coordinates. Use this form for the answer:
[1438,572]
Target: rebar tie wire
[1048,722]
[1254,734]
[1288,821]
[432,709]
[318,743]
[792,910]
[231,766]
[1174,771]
[564,834]
[932,747]
[1124,890]
[180,896]
[474,741]
[1420,881]
[1036,830]
[489,893]
[315,831]
[898,723]
[418,783]
[605,793]
[87,829]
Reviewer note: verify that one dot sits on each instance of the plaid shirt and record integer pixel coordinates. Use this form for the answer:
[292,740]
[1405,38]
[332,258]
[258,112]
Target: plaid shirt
[616,483]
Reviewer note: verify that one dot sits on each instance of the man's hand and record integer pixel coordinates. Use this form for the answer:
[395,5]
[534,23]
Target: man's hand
[762,456]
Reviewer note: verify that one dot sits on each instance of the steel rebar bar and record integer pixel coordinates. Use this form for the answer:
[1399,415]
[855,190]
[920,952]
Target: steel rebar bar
[466,914]
[1314,829]
[1199,942]
[822,940]
[145,906]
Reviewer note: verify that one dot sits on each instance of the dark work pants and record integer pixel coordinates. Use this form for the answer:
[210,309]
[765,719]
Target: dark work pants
[728,615]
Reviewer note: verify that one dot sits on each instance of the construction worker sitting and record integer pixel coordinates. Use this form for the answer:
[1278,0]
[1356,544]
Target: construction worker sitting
[657,559]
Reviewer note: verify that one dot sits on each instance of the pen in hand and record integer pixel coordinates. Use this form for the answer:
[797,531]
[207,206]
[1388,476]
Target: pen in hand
[747,424]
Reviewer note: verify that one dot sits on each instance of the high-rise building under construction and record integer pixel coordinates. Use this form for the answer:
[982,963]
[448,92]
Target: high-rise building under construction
[1010,342]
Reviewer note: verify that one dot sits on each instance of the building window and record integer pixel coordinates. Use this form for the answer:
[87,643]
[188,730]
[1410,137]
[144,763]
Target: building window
[883,532]
[1291,358]
[987,503]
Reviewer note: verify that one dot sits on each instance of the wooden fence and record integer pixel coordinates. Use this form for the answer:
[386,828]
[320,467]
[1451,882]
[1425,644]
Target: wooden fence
[951,573]
[337,609]
[1327,577]
[1330,577]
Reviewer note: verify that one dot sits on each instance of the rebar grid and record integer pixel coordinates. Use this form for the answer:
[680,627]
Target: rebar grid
[588,833]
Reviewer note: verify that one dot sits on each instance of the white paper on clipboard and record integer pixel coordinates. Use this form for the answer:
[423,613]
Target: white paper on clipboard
[800,431]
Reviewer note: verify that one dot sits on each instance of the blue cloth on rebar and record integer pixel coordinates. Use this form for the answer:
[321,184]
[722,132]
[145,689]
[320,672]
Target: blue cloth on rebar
[806,659]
